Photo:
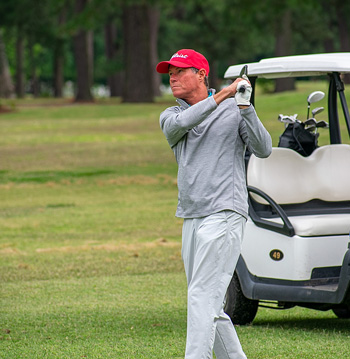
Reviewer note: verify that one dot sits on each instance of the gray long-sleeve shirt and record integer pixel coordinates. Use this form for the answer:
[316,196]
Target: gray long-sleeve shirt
[209,143]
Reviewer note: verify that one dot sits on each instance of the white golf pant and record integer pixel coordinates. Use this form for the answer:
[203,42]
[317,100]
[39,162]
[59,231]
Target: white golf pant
[210,250]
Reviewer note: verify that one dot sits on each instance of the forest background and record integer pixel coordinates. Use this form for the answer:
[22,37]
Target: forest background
[89,48]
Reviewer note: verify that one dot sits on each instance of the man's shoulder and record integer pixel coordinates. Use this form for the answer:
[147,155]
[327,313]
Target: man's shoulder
[170,110]
[168,113]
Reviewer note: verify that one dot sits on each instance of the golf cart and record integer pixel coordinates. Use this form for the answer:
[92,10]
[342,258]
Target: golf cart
[296,249]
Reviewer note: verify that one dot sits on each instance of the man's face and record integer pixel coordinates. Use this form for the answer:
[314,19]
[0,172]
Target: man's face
[183,82]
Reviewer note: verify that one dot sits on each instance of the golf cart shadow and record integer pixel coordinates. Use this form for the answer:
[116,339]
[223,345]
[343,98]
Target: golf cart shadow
[309,324]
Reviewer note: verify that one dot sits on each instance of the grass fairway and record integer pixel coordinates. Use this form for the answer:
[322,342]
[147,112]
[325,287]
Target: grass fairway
[90,250]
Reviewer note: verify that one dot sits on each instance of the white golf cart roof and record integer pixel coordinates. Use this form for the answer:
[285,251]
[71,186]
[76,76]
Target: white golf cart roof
[295,66]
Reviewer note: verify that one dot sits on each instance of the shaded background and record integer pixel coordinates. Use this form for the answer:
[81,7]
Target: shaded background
[89,48]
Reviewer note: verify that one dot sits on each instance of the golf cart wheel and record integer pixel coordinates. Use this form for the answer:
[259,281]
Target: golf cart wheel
[342,313]
[240,309]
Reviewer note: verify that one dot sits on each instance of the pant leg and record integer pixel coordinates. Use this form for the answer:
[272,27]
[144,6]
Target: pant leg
[210,251]
[227,344]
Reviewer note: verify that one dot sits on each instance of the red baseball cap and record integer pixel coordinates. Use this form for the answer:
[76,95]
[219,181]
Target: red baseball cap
[184,58]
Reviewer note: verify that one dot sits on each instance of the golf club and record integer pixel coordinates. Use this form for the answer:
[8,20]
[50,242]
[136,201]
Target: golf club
[312,98]
[287,119]
[322,123]
[317,110]
[310,122]
[311,128]
[243,74]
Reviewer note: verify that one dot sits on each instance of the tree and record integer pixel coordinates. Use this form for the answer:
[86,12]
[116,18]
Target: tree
[35,83]
[343,12]
[30,23]
[154,16]
[139,83]
[126,42]
[114,77]
[58,54]
[283,47]
[231,32]
[6,85]
[83,52]
[190,25]
[20,90]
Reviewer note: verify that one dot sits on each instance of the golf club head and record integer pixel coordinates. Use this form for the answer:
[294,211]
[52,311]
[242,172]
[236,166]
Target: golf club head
[244,71]
[321,124]
[286,119]
[243,74]
[315,97]
[317,110]
[310,122]
[310,128]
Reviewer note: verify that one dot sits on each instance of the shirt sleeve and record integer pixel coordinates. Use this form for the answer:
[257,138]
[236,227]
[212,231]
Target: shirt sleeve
[175,122]
[254,134]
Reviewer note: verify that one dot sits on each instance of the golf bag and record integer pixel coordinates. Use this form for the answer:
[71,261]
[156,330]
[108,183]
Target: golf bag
[296,137]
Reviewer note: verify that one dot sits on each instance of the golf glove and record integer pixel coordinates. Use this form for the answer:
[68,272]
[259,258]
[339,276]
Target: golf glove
[244,91]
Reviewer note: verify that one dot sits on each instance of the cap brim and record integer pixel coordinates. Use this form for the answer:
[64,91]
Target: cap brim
[163,67]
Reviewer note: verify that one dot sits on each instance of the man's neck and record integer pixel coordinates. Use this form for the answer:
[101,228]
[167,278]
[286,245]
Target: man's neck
[197,97]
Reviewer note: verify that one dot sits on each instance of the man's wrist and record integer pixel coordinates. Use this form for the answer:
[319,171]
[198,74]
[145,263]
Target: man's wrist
[222,95]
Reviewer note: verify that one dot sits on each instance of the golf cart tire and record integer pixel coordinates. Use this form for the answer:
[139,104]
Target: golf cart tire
[342,313]
[240,309]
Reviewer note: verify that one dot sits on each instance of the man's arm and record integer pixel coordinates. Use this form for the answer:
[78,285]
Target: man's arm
[227,92]
[254,134]
[252,130]
[175,123]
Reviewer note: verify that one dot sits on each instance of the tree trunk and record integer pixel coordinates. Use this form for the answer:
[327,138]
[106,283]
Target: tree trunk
[154,15]
[343,32]
[214,78]
[58,68]
[90,52]
[20,90]
[114,77]
[34,85]
[83,59]
[58,64]
[82,63]
[6,84]
[138,85]
[283,48]
[328,44]
[343,29]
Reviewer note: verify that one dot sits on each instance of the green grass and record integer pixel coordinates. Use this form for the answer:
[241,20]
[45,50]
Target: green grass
[90,250]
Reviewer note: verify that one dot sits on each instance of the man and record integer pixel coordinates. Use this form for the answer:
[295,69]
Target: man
[208,133]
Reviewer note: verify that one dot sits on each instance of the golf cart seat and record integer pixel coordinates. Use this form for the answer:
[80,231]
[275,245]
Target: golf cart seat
[304,196]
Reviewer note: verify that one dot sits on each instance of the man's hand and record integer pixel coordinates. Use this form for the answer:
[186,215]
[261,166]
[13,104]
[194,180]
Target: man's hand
[244,91]
[231,91]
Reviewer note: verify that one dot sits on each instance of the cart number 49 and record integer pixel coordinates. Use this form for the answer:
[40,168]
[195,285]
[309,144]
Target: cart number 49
[276,255]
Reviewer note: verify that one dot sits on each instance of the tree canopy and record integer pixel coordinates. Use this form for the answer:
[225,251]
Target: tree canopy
[117,43]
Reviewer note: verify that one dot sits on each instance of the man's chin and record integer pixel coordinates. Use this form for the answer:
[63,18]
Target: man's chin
[176,93]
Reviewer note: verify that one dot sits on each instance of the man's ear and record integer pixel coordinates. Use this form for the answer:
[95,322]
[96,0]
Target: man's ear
[202,73]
